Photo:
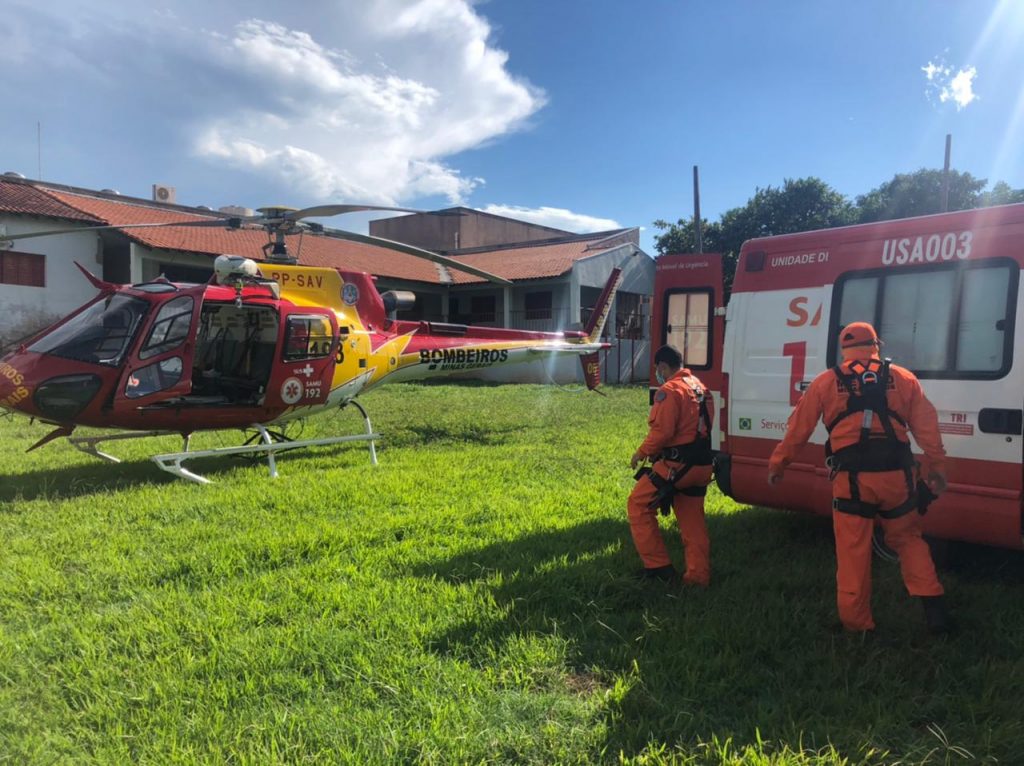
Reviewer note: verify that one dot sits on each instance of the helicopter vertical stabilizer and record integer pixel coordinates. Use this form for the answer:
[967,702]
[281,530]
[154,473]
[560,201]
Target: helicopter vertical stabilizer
[591,363]
[595,325]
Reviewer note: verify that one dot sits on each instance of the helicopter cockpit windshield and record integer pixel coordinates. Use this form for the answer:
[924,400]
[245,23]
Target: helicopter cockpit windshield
[101,334]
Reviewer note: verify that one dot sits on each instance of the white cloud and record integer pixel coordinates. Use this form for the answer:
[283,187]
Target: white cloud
[961,88]
[339,126]
[947,85]
[368,101]
[557,218]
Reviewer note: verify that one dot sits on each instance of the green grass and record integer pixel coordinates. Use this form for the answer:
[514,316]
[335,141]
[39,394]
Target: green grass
[467,601]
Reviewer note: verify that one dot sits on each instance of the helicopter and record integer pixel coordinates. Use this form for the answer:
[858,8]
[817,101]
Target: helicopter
[259,345]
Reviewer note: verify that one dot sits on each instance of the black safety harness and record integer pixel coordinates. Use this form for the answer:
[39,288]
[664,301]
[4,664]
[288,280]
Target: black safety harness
[867,385]
[695,453]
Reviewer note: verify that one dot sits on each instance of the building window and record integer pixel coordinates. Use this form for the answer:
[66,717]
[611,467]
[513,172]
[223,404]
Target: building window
[25,269]
[943,322]
[538,305]
[630,315]
[482,308]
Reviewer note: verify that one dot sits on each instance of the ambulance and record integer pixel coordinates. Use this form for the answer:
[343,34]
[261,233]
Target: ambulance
[943,293]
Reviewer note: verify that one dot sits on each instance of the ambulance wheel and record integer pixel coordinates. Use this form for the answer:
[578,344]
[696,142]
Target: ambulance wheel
[880,548]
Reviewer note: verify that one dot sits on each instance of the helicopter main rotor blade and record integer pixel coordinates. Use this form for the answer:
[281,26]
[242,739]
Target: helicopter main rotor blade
[417,252]
[323,211]
[225,223]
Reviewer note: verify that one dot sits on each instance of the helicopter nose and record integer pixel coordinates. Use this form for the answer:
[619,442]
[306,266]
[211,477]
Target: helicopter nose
[9,382]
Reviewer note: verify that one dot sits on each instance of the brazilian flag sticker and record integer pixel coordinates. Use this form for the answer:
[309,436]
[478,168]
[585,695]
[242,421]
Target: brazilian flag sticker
[745,424]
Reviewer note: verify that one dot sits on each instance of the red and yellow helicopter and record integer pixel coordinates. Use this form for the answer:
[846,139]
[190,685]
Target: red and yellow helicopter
[256,347]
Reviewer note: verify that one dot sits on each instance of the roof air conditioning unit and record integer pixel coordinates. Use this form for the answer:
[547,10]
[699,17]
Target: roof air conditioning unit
[163,193]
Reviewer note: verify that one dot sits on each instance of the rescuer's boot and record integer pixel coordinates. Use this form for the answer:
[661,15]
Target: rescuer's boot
[936,615]
[666,573]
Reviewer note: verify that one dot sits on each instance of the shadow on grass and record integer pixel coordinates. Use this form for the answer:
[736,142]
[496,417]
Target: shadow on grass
[430,434]
[755,654]
[79,480]
[100,476]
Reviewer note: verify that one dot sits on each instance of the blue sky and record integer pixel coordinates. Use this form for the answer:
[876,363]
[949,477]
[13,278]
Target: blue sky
[580,115]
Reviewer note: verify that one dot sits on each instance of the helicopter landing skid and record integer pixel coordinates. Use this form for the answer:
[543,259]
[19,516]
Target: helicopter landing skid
[272,442]
[87,444]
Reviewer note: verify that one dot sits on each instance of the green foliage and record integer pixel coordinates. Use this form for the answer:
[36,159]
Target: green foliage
[469,600]
[1000,194]
[799,205]
[920,193]
[807,204]
[681,237]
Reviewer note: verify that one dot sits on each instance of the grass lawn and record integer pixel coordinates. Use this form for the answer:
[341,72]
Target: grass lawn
[469,600]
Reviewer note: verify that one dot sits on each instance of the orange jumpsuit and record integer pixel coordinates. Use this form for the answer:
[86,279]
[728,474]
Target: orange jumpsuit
[826,399]
[674,420]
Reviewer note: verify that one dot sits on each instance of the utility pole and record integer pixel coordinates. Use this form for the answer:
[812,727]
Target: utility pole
[945,175]
[697,228]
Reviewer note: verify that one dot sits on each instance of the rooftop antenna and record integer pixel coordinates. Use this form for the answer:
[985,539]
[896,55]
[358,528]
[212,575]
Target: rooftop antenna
[39,150]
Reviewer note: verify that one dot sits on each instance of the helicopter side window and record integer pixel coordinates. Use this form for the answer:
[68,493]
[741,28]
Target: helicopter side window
[154,377]
[308,337]
[101,334]
[170,329]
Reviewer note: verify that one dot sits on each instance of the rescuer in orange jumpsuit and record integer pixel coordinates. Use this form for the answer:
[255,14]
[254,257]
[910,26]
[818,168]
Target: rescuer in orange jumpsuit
[868,407]
[679,445]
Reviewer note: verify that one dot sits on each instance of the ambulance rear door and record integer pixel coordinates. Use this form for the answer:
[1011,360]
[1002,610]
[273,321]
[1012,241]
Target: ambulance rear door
[689,313]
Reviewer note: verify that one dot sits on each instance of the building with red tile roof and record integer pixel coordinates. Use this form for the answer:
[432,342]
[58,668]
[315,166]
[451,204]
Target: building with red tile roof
[556,274]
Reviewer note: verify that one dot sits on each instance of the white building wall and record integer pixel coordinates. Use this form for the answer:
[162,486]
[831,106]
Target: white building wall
[146,263]
[626,361]
[26,309]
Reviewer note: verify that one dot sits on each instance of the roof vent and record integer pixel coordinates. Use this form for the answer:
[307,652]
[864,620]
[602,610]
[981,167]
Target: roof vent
[244,212]
[14,174]
[110,191]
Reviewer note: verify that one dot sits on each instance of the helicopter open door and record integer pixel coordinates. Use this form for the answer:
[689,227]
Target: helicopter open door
[160,365]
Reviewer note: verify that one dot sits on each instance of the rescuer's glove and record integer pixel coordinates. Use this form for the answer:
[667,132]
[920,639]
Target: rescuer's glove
[936,482]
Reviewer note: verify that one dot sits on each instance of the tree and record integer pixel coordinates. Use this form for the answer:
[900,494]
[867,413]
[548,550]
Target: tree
[681,237]
[799,205]
[919,193]
[1000,194]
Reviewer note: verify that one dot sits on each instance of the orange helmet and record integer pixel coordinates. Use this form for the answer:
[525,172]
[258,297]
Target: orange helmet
[858,334]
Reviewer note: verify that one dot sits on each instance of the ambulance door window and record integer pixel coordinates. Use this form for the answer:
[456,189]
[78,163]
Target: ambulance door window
[859,299]
[981,329]
[687,325]
[917,310]
[941,322]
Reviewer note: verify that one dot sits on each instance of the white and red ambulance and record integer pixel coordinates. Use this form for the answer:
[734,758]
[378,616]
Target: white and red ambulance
[943,293]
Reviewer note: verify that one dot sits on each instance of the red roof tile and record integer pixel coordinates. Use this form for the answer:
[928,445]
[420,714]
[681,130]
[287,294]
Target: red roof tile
[27,199]
[311,250]
[525,261]
[539,261]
